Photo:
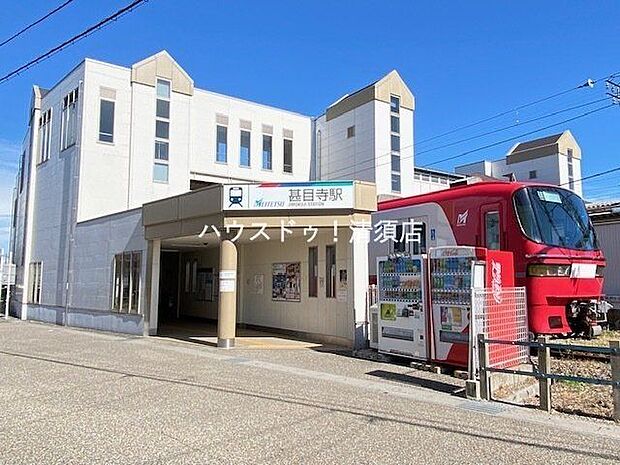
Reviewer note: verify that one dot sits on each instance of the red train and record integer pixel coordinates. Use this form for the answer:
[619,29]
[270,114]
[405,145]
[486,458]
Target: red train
[556,255]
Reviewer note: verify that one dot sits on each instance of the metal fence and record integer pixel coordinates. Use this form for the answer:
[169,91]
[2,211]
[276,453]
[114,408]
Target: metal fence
[500,314]
[7,271]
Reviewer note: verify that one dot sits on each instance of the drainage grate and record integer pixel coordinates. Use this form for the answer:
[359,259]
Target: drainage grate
[489,408]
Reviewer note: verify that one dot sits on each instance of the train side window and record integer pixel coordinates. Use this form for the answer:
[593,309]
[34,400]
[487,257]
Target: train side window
[492,230]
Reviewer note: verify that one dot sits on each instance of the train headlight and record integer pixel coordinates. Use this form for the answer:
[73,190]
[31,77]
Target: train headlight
[541,270]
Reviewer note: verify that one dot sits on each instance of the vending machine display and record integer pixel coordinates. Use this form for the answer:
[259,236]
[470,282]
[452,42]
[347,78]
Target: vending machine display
[402,306]
[454,273]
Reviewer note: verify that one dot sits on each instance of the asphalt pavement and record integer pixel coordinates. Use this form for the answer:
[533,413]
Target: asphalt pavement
[70,396]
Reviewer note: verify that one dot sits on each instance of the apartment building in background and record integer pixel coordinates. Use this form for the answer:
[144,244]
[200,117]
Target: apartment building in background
[554,159]
[107,139]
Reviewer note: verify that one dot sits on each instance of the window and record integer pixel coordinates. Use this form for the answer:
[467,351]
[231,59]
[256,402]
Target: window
[491,226]
[69,120]
[288,156]
[313,271]
[350,132]
[34,288]
[126,293]
[395,182]
[267,151]
[45,135]
[395,143]
[161,150]
[161,167]
[413,242]
[244,151]
[160,172]
[163,109]
[163,89]
[394,104]
[106,121]
[222,144]
[396,163]
[395,124]
[533,174]
[22,169]
[330,271]
[162,129]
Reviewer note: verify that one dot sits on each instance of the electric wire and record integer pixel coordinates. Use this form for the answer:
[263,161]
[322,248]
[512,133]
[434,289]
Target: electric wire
[101,24]
[31,25]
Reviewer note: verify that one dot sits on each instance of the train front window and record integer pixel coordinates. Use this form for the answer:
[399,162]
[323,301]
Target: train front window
[555,217]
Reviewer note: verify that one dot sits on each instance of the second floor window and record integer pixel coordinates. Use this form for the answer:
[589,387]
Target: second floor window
[68,131]
[106,121]
[221,153]
[45,135]
[244,150]
[288,156]
[267,151]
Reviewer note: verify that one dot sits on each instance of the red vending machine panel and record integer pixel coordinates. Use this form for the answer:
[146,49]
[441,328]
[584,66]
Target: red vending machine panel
[454,273]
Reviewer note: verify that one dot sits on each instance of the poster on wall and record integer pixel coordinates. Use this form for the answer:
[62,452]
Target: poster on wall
[205,284]
[286,282]
[343,288]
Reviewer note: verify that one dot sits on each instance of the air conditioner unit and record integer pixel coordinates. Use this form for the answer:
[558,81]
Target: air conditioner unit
[374,326]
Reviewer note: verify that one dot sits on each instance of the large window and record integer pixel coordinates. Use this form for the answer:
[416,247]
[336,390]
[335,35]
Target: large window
[36,278]
[126,297]
[330,271]
[222,144]
[106,120]
[45,135]
[244,148]
[555,217]
[267,151]
[313,272]
[288,156]
[161,167]
[68,133]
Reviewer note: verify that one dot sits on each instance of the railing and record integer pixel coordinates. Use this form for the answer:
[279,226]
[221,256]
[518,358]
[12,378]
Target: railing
[543,372]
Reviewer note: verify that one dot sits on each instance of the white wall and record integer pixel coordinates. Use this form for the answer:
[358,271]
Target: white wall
[318,315]
[205,107]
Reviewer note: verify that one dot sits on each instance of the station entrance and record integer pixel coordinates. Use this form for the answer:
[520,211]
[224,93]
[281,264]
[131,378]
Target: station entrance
[293,273]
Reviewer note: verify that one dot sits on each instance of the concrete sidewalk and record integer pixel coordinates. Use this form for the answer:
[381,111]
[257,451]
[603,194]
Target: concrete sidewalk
[72,396]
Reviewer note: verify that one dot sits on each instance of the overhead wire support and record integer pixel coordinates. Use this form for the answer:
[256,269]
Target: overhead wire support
[101,24]
[33,24]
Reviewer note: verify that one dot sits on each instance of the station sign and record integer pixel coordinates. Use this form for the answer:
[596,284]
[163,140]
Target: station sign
[289,196]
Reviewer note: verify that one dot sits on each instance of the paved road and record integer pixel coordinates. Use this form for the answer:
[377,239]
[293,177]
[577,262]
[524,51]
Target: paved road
[70,396]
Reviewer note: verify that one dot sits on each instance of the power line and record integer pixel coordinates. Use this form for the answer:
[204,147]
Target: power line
[595,175]
[101,24]
[520,135]
[355,171]
[549,115]
[503,113]
[588,84]
[31,25]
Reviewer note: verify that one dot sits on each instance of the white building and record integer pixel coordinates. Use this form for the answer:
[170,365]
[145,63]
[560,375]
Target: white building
[368,135]
[554,159]
[107,141]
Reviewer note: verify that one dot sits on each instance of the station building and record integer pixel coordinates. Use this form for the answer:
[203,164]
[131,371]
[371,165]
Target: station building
[122,167]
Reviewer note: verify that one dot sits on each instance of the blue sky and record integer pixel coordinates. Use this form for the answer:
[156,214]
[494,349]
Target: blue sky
[464,61]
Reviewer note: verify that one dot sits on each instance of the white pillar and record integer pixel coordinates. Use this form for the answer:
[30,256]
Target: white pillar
[359,285]
[227,303]
[151,310]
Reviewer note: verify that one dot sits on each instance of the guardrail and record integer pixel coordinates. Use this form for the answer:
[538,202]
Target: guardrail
[543,373]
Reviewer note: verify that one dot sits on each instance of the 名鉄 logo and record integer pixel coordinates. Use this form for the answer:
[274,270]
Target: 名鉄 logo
[461,218]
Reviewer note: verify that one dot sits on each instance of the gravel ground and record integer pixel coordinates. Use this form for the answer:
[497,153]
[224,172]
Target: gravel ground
[581,398]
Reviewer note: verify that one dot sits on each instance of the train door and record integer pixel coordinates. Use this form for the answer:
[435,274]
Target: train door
[492,236]
[413,235]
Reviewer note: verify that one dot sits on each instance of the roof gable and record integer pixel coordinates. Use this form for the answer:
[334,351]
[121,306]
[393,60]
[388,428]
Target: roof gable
[162,65]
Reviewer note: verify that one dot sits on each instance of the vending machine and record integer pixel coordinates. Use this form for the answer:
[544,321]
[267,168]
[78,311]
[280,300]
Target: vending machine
[403,312]
[455,271]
